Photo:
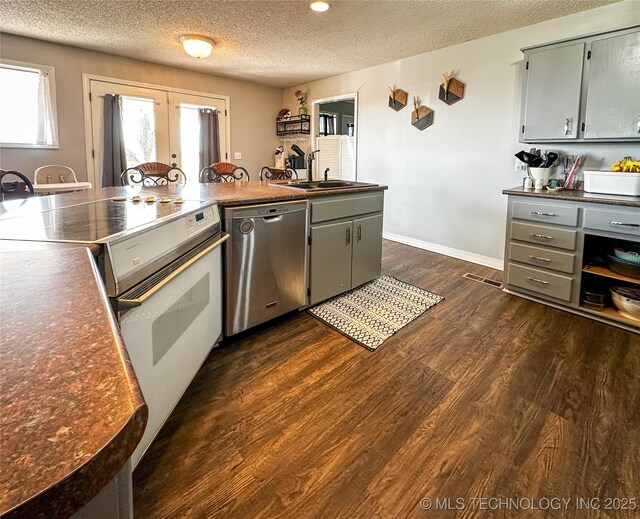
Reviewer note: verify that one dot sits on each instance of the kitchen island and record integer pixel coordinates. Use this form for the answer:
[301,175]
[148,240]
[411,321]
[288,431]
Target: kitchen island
[72,412]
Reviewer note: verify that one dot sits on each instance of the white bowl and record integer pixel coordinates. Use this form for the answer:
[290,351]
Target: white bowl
[541,173]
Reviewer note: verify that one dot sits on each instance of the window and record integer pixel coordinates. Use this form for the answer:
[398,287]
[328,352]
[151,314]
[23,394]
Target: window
[27,106]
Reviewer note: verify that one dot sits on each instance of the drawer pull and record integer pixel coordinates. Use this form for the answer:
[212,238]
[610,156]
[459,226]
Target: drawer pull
[625,224]
[538,258]
[538,213]
[536,280]
[540,236]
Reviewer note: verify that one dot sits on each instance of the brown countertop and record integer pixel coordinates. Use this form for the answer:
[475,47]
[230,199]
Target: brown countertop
[575,196]
[71,410]
[239,193]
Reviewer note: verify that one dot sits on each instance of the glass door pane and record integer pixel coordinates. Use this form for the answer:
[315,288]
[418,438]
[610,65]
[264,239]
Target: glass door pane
[184,130]
[139,128]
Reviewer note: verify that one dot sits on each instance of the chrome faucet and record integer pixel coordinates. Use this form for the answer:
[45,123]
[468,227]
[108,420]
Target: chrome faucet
[310,157]
[326,175]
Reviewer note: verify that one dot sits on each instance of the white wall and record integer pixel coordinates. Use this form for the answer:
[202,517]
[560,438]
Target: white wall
[253,108]
[445,182]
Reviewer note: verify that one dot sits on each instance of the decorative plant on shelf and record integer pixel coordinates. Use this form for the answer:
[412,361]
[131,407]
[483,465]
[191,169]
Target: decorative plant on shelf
[302,99]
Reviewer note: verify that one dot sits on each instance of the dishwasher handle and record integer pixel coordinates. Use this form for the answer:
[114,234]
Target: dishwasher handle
[272,219]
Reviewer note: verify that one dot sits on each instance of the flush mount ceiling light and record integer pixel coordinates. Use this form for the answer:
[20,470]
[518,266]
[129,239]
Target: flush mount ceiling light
[319,6]
[197,46]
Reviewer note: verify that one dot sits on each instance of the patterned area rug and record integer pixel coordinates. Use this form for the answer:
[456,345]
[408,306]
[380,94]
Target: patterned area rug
[372,313]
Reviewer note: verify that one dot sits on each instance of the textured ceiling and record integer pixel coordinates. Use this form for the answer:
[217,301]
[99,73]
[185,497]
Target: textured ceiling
[279,43]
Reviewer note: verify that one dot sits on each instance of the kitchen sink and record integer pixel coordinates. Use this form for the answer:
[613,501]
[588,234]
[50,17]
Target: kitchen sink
[319,184]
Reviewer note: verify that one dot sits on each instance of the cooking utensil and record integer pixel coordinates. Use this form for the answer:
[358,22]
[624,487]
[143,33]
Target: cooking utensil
[525,157]
[549,159]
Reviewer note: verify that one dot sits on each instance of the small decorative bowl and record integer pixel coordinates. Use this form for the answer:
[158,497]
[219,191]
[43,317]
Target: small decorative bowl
[627,255]
[627,301]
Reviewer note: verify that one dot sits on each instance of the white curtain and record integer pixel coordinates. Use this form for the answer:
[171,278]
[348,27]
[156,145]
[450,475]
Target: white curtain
[46,129]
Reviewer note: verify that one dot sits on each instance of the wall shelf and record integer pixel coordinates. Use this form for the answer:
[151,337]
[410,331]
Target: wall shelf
[295,125]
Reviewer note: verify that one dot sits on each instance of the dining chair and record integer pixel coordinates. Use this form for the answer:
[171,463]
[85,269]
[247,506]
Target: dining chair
[223,172]
[153,174]
[11,188]
[268,173]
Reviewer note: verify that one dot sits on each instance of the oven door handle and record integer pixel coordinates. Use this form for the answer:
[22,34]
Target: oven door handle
[126,304]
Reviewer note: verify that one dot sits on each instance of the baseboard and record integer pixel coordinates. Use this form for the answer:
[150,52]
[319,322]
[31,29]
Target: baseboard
[486,261]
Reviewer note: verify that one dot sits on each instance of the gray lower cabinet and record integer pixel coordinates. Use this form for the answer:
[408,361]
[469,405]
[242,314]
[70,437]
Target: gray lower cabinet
[556,251]
[331,253]
[367,247]
[346,243]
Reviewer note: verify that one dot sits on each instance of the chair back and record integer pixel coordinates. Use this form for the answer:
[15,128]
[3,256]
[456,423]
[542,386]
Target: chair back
[223,172]
[153,174]
[54,174]
[268,173]
[14,184]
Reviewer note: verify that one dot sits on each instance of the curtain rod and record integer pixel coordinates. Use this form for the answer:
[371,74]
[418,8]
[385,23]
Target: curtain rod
[178,107]
[136,98]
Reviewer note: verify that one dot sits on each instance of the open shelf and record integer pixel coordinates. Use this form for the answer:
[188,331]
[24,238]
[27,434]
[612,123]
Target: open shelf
[295,125]
[611,313]
[605,272]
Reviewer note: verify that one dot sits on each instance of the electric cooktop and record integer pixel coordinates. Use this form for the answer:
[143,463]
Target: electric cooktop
[98,221]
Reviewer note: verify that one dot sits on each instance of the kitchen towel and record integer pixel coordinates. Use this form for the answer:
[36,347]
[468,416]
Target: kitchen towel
[372,313]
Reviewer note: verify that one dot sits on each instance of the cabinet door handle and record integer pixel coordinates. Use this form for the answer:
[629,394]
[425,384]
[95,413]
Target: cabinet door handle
[625,224]
[538,258]
[536,280]
[567,125]
[359,232]
[540,236]
[348,235]
[639,124]
[538,213]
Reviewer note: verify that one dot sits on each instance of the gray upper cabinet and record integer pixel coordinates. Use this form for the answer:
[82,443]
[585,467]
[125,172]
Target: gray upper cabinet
[584,89]
[613,98]
[551,100]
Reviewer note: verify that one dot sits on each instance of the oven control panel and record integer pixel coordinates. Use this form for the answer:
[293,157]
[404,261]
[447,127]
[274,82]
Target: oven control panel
[202,220]
[133,257]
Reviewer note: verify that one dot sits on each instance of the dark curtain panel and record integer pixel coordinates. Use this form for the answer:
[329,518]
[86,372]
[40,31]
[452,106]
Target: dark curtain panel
[114,160]
[209,137]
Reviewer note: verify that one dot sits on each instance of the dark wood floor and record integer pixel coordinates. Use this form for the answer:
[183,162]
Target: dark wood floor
[485,395]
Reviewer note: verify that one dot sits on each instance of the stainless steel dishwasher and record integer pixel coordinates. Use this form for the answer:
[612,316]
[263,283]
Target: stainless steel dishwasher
[265,263]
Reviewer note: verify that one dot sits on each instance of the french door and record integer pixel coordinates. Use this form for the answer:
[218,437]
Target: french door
[184,130]
[158,125]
